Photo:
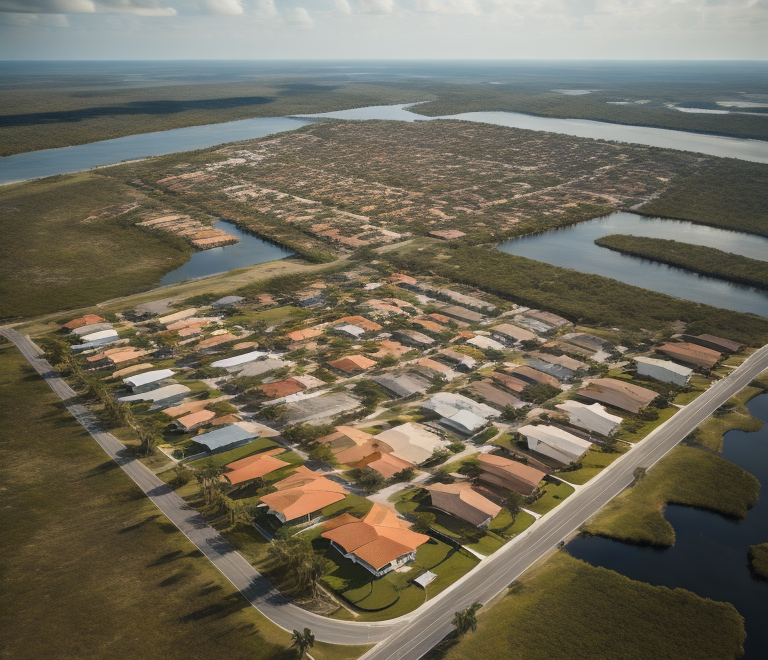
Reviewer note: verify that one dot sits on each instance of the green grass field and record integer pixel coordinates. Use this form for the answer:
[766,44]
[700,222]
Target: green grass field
[554,494]
[686,476]
[593,463]
[566,608]
[92,569]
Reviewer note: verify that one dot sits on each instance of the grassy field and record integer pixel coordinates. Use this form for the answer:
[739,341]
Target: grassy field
[592,464]
[726,193]
[758,560]
[710,433]
[566,608]
[554,494]
[695,258]
[92,570]
[686,476]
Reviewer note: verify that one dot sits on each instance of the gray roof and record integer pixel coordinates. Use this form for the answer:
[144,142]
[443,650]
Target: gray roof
[558,371]
[320,407]
[224,437]
[403,385]
[227,301]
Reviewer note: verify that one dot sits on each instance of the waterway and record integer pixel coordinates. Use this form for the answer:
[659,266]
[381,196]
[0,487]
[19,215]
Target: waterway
[710,552]
[574,247]
[248,252]
[37,164]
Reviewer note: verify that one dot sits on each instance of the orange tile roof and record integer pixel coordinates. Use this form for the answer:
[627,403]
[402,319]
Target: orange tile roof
[216,340]
[260,465]
[309,480]
[195,418]
[352,363]
[385,464]
[88,319]
[463,502]
[359,321]
[242,462]
[356,436]
[281,388]
[302,335]
[389,347]
[434,365]
[126,356]
[303,493]
[431,326]
[188,407]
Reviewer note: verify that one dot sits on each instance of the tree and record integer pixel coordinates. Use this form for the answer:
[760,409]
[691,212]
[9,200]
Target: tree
[639,473]
[424,522]
[466,620]
[406,474]
[313,569]
[515,502]
[510,414]
[302,641]
[368,478]
[539,393]
[388,361]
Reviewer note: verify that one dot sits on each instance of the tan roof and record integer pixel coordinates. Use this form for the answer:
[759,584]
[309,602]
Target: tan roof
[514,475]
[188,407]
[302,335]
[429,325]
[195,418]
[259,466]
[510,382]
[385,464]
[389,347]
[618,393]
[226,420]
[515,332]
[127,371]
[88,319]
[303,493]
[126,356]
[401,278]
[188,323]
[352,363]
[345,436]
[359,321]
[434,365]
[353,455]
[378,539]
[216,340]
[281,388]
[96,357]
[462,501]
[538,376]
[691,353]
[305,478]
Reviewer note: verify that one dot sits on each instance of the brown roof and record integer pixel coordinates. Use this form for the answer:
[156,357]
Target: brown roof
[400,278]
[510,382]
[302,335]
[127,371]
[353,455]
[188,407]
[88,319]
[462,501]
[216,340]
[126,356]
[619,394]
[513,475]
[280,388]
[717,343]
[434,365]
[691,354]
[428,325]
[385,464]
[513,331]
[260,465]
[493,395]
[536,375]
[242,462]
[345,437]
[359,321]
[352,363]
[195,418]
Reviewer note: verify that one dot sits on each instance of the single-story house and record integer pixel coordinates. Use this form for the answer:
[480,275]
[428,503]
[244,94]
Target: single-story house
[361,322]
[189,407]
[485,343]
[432,368]
[216,340]
[260,367]
[462,313]
[715,343]
[354,331]
[460,412]
[319,408]
[558,371]
[381,542]
[352,364]
[561,360]
[148,380]
[512,333]
[126,356]
[161,397]
[403,385]
[227,301]
[462,501]
[461,361]
[592,417]
[109,333]
[493,395]
[413,338]
[385,464]
[127,371]
[664,370]
[228,437]
[447,234]
[350,445]
[510,382]
[301,494]
[88,319]
[393,348]
[509,474]
[690,354]
[410,442]
[280,388]
[186,423]
[619,394]
[90,329]
[304,335]
[429,325]
[177,316]
[534,377]
[239,361]
[255,467]
[404,281]
[555,442]
[552,320]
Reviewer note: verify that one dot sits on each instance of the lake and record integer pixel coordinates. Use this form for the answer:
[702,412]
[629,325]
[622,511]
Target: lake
[37,164]
[248,252]
[710,552]
[574,247]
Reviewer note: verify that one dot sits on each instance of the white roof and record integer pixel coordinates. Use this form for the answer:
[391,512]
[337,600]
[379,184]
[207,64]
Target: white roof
[308,381]
[411,442]
[485,342]
[593,417]
[239,359]
[424,579]
[678,369]
[148,377]
[447,404]
[91,329]
[350,329]
[596,409]
[467,421]
[102,334]
[157,395]
[555,437]
[178,316]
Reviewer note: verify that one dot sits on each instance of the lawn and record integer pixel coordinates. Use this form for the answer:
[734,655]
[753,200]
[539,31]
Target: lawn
[645,429]
[593,463]
[599,615]
[698,384]
[92,570]
[503,525]
[686,476]
[554,494]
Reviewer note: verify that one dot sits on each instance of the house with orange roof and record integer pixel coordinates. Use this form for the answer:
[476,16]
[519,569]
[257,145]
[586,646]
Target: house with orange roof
[385,464]
[393,348]
[304,335]
[88,319]
[360,322]
[429,325]
[281,388]
[350,445]
[462,501]
[380,542]
[508,474]
[301,494]
[255,467]
[187,423]
[352,364]
[403,280]
[126,356]
[216,340]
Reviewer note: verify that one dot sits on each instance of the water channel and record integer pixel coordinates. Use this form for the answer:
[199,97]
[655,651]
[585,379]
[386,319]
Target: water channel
[710,552]
[574,247]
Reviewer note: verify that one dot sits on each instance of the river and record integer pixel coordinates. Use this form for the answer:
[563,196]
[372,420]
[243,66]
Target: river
[574,247]
[48,162]
[710,552]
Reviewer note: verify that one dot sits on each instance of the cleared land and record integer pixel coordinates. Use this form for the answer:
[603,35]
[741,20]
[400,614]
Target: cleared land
[696,258]
[91,569]
[758,560]
[569,608]
[686,476]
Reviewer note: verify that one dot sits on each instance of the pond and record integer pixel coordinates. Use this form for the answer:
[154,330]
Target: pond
[574,247]
[710,552]
[248,252]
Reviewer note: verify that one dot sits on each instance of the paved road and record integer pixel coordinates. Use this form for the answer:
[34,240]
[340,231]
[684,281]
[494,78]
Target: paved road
[409,637]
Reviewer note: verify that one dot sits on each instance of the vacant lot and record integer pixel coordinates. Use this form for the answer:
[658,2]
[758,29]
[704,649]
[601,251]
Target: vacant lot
[569,609]
[92,570]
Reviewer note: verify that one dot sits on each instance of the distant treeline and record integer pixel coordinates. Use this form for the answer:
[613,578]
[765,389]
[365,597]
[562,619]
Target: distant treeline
[696,258]
[580,297]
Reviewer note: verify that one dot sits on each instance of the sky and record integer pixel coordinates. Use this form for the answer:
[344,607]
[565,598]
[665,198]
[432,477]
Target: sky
[383,29]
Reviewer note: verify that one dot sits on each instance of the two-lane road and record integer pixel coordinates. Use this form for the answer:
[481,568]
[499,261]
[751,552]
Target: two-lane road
[410,636]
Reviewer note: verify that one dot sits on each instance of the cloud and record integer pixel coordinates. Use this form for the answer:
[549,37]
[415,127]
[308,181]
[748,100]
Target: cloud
[342,6]
[226,7]
[378,7]
[447,6]
[299,17]
[134,7]
[42,20]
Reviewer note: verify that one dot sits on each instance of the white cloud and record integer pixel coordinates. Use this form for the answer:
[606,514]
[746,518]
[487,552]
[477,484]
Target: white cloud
[379,7]
[265,8]
[299,17]
[342,6]
[447,6]
[227,7]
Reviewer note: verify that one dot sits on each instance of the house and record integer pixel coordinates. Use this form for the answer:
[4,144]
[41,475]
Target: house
[227,301]
[88,319]
[102,336]
[216,340]
[189,422]
[413,338]
[512,334]
[312,298]
[127,371]
[404,281]
[460,361]
[460,412]
[590,342]
[462,313]
[255,467]
[410,442]
[403,385]
[561,360]
[280,388]
[384,307]
[350,445]
[319,408]
[177,316]
[431,368]
[510,382]
[493,395]
[148,380]
[462,501]
[534,377]
[160,397]
[619,394]
[555,443]
[238,361]
[361,322]
[126,356]
[303,335]
[261,367]
[429,325]
[508,474]
[550,319]
[90,329]
[381,542]
[715,343]
[699,356]
[664,370]
[354,331]
[462,299]
[557,371]
[228,437]
[385,464]
[393,348]
[195,322]
[352,364]
[486,343]
[189,407]
[301,494]
[592,417]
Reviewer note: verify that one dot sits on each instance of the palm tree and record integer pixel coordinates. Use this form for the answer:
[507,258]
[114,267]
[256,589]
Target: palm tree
[466,620]
[302,641]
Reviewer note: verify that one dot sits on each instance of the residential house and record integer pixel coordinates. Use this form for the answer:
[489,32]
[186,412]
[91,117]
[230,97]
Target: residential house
[512,334]
[462,313]
[228,437]
[148,380]
[301,494]
[410,442]
[715,343]
[238,362]
[413,338]
[281,388]
[619,394]
[161,397]
[557,371]
[493,395]
[431,368]
[460,412]
[508,474]
[303,335]
[385,464]
[227,301]
[88,319]
[393,348]
[402,385]
[189,422]
[664,370]
[561,360]
[255,467]
[177,316]
[593,417]
[555,442]
[699,356]
[462,501]
[460,361]
[534,377]
[350,445]
[485,343]
[216,340]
